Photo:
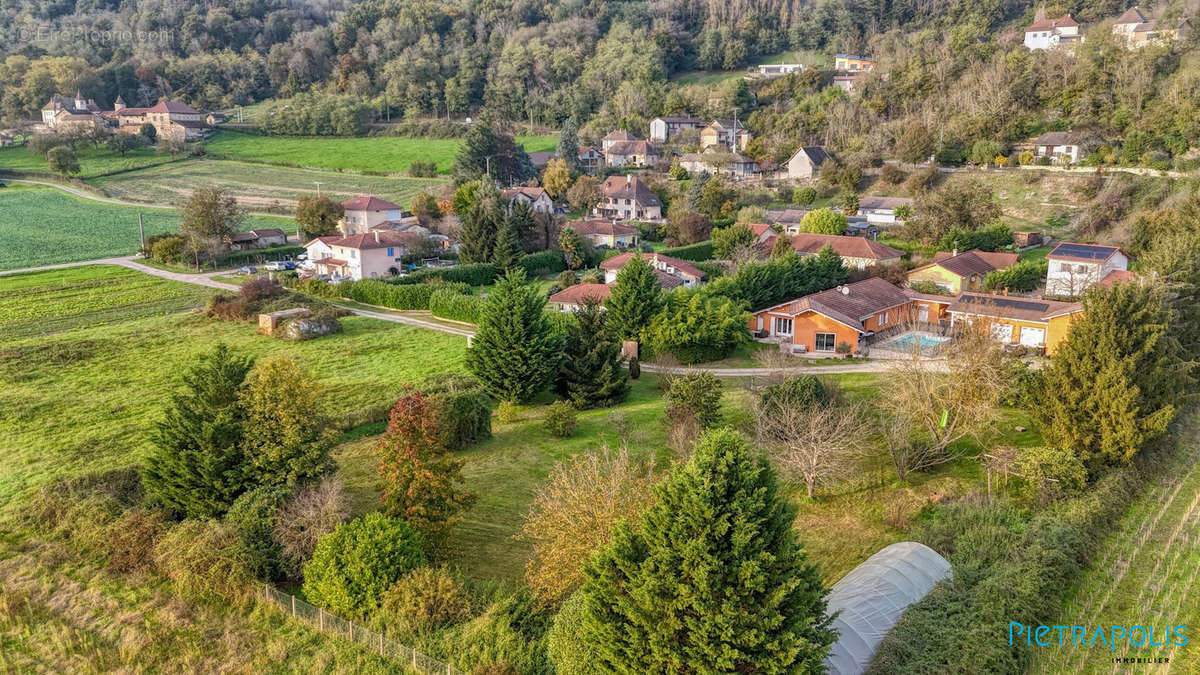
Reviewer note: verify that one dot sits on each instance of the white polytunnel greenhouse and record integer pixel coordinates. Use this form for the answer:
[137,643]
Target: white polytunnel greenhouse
[872,597]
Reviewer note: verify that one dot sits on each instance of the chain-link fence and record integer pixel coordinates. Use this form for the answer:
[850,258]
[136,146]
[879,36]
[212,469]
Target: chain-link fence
[368,639]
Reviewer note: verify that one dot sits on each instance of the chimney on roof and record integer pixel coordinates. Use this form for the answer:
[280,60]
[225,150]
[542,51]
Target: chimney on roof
[628,180]
[376,236]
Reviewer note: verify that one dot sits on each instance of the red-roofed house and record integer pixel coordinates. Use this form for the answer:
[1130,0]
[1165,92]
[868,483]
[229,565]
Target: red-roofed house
[627,197]
[365,212]
[957,272]
[571,298]
[368,255]
[605,232]
[688,274]
[1051,33]
[856,252]
[839,316]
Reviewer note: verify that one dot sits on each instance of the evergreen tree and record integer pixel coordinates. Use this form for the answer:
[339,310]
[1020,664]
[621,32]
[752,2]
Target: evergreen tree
[1112,387]
[516,351]
[287,435]
[523,223]
[782,246]
[574,248]
[830,268]
[568,144]
[712,580]
[591,375]
[635,299]
[195,469]
[480,224]
[508,249]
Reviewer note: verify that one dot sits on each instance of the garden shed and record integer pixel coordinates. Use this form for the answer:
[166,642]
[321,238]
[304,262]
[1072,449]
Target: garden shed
[872,597]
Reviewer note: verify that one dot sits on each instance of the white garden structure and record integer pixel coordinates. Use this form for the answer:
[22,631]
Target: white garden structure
[871,598]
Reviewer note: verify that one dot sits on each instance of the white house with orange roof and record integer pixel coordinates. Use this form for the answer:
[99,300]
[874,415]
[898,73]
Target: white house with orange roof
[365,212]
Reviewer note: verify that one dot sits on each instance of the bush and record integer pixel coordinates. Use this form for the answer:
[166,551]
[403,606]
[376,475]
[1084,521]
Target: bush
[635,369]
[507,638]
[313,512]
[696,328]
[592,276]
[543,262]
[226,308]
[561,419]
[422,169]
[131,539]
[990,238]
[425,599]
[928,288]
[356,563]
[695,252]
[259,288]
[257,255]
[892,174]
[1022,277]
[473,274]
[450,304]
[566,279]
[205,558]
[167,250]
[699,395]
[253,517]
[464,409]
[564,643]
[804,196]
[801,391]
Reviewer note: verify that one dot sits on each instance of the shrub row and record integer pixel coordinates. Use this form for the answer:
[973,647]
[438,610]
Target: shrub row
[475,274]
[1007,567]
[412,296]
[448,303]
[543,262]
[694,252]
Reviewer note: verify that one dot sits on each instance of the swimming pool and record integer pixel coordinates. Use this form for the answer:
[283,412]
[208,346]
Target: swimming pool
[922,342]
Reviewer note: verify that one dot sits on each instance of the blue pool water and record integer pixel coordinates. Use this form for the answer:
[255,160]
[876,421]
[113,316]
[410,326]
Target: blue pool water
[922,342]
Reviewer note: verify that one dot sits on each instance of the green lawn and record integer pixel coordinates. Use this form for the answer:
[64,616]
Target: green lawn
[256,186]
[93,160]
[380,154]
[83,393]
[44,226]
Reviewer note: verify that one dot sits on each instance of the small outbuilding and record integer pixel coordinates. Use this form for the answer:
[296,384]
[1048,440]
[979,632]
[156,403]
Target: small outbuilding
[870,599]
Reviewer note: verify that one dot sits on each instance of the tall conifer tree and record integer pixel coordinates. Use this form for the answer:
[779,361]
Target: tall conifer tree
[591,375]
[635,299]
[516,352]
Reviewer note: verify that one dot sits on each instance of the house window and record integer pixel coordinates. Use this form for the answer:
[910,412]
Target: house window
[882,319]
[353,253]
[826,342]
[783,326]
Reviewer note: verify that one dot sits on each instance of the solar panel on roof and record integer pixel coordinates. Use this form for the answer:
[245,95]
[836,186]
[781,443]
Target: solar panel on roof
[1011,303]
[1084,251]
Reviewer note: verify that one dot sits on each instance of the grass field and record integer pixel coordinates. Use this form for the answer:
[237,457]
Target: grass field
[44,226]
[386,154]
[83,396]
[93,160]
[257,186]
[1147,573]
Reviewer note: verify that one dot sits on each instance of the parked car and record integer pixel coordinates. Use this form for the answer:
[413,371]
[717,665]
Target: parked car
[302,257]
[280,265]
[248,270]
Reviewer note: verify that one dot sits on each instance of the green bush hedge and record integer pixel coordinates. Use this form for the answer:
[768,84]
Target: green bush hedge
[475,274]
[693,252]
[1007,567]
[412,296]
[543,262]
[464,409]
[449,303]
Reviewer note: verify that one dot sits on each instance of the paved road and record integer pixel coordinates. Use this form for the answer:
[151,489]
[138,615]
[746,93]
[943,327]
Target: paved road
[84,194]
[205,279]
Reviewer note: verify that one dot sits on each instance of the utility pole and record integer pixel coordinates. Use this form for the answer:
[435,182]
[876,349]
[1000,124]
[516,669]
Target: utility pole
[142,232]
[318,184]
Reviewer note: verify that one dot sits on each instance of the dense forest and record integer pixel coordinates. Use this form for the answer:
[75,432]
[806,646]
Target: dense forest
[959,63]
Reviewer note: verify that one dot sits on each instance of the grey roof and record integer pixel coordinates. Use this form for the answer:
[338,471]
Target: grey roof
[870,599]
[815,153]
[1059,138]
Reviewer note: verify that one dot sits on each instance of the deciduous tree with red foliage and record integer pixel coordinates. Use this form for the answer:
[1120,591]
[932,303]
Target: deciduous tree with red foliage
[421,477]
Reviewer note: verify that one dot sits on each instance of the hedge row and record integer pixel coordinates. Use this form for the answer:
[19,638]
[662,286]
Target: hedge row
[475,274]
[1007,567]
[448,303]
[543,262]
[693,252]
[413,296]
